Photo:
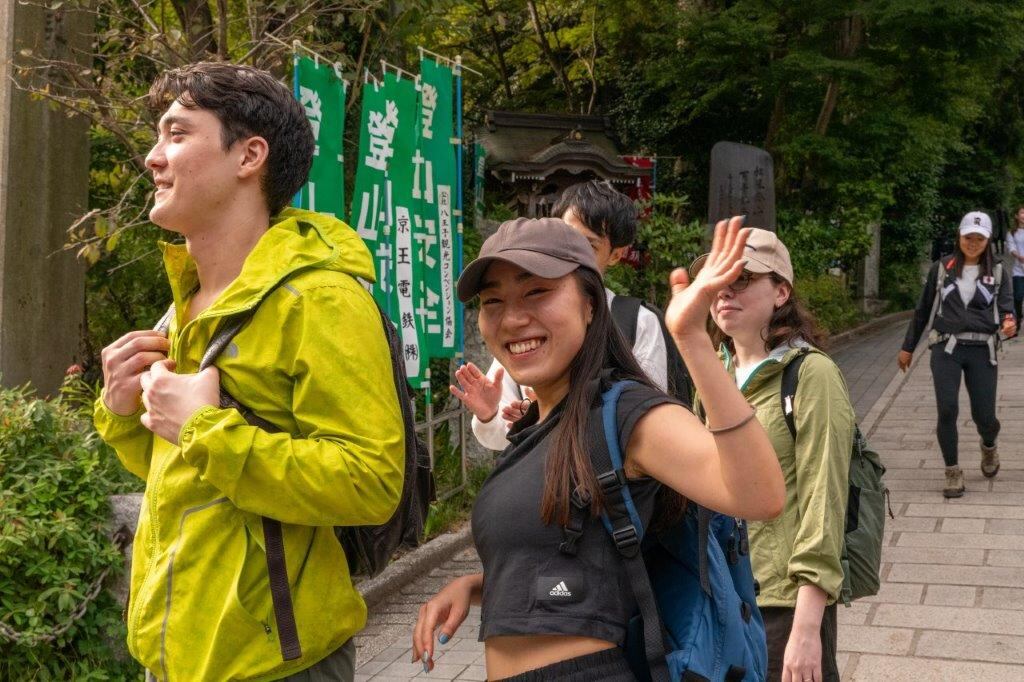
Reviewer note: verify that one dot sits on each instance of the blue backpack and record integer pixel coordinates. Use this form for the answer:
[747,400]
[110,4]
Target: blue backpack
[693,583]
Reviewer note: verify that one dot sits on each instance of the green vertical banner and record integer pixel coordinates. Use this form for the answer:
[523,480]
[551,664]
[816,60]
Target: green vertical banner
[321,91]
[400,101]
[434,189]
[371,198]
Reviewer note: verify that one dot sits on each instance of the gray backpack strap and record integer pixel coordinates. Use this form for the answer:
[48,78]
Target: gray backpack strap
[164,324]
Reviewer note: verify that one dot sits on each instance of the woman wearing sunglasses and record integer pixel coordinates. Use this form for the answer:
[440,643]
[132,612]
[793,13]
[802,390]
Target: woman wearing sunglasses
[554,610]
[760,327]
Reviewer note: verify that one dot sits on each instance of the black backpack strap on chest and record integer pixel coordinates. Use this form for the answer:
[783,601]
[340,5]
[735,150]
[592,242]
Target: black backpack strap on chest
[624,312]
[790,378]
[623,523]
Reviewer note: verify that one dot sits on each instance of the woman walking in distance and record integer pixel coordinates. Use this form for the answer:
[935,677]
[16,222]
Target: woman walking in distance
[553,615]
[966,302]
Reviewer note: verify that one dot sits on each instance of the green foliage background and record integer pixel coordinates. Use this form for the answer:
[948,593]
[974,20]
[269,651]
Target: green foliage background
[55,478]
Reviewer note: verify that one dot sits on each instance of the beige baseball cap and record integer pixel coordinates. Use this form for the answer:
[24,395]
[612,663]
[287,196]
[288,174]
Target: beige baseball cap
[764,253]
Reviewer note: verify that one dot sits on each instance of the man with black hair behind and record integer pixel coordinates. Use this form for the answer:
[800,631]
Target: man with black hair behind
[233,146]
[608,219]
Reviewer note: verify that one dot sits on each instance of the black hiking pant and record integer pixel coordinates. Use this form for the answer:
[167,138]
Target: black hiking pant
[778,623]
[980,377]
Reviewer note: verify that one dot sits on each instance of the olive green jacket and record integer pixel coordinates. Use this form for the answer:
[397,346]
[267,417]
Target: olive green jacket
[314,362]
[804,544]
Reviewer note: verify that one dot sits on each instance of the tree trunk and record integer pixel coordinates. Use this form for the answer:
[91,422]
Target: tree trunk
[498,51]
[197,24]
[556,66]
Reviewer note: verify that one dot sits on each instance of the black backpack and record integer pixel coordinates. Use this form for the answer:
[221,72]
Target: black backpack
[624,312]
[368,549]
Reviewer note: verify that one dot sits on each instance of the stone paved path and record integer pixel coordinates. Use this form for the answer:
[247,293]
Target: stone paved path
[952,603]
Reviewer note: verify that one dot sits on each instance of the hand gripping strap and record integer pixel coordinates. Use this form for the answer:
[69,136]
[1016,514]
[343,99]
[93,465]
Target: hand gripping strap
[623,523]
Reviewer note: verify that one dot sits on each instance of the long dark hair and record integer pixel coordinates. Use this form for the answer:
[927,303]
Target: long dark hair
[986,261]
[568,464]
[789,322]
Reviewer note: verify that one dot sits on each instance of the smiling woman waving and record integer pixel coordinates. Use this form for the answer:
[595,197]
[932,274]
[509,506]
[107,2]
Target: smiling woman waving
[544,318]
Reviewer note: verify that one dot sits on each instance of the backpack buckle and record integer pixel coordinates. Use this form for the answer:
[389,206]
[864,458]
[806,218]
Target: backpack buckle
[610,481]
[569,539]
[626,537]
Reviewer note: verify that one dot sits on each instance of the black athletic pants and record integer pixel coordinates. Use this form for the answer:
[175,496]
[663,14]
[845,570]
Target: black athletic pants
[980,377]
[778,622]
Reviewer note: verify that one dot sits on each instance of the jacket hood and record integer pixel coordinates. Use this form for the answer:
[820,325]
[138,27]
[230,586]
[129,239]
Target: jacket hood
[296,240]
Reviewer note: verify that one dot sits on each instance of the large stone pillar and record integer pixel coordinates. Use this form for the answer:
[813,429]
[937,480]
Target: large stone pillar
[870,269]
[44,185]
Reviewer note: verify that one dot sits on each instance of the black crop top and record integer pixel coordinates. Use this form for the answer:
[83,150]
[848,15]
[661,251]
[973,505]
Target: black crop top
[530,587]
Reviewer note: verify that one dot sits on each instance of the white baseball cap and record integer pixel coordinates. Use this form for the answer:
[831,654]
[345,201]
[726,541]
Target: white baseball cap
[976,222]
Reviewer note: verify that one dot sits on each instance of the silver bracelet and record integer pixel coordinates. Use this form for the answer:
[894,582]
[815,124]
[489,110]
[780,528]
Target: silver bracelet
[742,422]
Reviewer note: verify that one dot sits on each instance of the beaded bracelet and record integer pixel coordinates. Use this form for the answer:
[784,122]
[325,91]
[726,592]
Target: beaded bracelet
[742,422]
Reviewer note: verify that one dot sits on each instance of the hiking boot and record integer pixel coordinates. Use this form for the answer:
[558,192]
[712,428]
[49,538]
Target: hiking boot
[954,482]
[989,460]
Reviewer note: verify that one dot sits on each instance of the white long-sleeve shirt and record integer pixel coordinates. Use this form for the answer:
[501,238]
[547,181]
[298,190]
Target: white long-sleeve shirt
[1015,246]
[648,348]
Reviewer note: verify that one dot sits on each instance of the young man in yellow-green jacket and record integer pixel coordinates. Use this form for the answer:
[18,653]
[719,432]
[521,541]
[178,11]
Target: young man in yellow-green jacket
[233,147]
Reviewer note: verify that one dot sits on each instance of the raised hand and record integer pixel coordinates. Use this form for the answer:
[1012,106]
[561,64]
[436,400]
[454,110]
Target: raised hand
[687,311]
[479,394]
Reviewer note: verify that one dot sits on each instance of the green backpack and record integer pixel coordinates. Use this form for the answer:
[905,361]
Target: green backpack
[866,506]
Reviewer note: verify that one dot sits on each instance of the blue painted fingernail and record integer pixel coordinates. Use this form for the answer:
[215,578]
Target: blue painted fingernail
[426,665]
[442,638]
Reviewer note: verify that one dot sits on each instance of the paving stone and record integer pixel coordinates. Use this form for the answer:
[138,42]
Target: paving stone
[854,614]
[1003,598]
[896,593]
[1005,527]
[965,540]
[875,640]
[442,671]
[402,669]
[963,525]
[872,668]
[903,523]
[967,511]
[992,621]
[1002,557]
[976,494]
[928,555]
[986,576]
[962,646]
[950,595]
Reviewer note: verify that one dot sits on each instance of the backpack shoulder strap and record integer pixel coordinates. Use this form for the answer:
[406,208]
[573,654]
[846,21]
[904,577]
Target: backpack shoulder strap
[624,312]
[623,523]
[790,378]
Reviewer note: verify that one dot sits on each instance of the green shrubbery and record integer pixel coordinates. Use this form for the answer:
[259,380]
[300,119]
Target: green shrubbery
[55,478]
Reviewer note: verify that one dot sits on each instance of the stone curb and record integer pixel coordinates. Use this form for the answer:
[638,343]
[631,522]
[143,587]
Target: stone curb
[418,562]
[843,338]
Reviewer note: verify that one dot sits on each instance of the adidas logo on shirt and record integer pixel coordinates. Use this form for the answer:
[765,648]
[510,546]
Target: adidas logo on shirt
[560,590]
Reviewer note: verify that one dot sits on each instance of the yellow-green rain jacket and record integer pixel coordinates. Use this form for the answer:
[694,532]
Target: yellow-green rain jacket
[313,361]
[804,544]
